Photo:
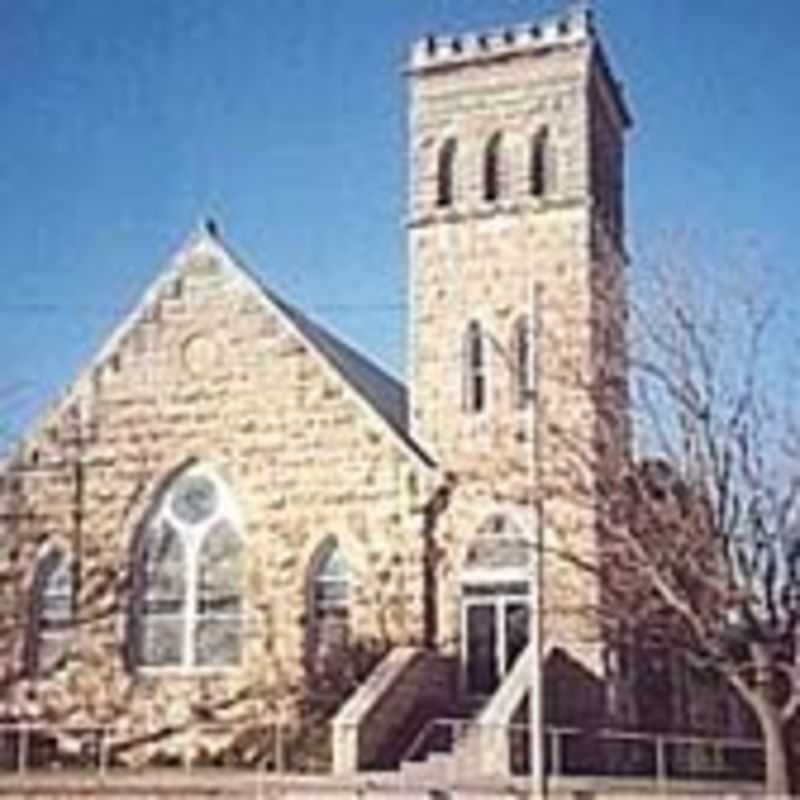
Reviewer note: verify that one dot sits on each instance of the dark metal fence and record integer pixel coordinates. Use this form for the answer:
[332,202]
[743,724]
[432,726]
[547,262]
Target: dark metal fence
[572,752]
[273,750]
[38,746]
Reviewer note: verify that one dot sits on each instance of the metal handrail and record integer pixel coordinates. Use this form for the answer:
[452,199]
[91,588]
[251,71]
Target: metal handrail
[660,743]
[92,745]
[96,742]
[431,725]
[673,738]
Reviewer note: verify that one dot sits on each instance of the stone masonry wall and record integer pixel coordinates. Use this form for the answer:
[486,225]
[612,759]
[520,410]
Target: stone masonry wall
[207,371]
[554,257]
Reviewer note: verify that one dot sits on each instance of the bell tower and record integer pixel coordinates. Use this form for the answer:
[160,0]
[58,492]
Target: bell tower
[517,276]
[516,230]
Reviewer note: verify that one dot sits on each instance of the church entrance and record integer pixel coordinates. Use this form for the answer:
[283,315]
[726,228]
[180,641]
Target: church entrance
[495,609]
[495,631]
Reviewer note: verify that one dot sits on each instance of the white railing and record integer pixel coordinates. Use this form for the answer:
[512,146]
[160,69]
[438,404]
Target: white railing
[438,735]
[28,746]
[25,747]
[571,752]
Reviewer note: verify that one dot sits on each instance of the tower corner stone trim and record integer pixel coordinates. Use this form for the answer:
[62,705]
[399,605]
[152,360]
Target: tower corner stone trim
[574,26]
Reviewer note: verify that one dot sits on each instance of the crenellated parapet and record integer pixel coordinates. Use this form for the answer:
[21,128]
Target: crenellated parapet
[571,27]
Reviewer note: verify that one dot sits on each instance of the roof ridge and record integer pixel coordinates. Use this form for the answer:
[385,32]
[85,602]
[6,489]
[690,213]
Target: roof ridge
[382,392]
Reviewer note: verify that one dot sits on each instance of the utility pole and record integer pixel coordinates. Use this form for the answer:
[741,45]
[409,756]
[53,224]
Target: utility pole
[531,394]
[536,500]
[77,442]
[81,432]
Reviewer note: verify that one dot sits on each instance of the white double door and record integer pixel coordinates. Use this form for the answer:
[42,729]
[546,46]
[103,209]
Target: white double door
[495,627]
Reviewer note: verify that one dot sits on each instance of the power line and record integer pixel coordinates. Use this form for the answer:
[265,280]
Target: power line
[40,309]
[59,307]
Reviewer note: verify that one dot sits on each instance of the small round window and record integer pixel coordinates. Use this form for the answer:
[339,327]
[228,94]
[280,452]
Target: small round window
[194,499]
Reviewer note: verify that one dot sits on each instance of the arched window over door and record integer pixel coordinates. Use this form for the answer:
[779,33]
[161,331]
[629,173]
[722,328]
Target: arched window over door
[51,619]
[495,585]
[330,603]
[445,173]
[499,544]
[187,604]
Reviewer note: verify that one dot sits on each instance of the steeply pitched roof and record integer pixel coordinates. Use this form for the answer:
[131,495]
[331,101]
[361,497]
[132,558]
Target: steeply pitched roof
[383,393]
[387,395]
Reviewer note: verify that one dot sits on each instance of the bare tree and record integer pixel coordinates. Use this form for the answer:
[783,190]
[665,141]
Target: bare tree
[704,540]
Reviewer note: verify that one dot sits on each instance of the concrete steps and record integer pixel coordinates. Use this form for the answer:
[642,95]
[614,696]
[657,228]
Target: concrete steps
[435,768]
[445,744]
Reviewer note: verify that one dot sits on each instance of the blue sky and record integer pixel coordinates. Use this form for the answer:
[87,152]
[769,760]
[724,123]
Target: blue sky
[123,123]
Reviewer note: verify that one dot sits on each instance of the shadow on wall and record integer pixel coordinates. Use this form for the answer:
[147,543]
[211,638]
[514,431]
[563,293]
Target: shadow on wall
[328,683]
[574,702]
[573,696]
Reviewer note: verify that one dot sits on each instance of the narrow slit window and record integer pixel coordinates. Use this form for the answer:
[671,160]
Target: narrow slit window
[492,169]
[540,178]
[522,348]
[474,369]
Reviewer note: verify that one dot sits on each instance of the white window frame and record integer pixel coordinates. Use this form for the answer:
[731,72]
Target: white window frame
[42,638]
[318,578]
[193,537]
[493,577]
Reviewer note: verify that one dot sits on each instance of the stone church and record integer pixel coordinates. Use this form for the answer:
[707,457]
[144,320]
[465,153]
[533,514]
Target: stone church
[231,503]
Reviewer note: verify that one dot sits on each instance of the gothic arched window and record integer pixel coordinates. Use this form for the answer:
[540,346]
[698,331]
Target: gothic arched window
[51,614]
[445,173]
[522,350]
[330,602]
[474,369]
[493,168]
[187,606]
[541,178]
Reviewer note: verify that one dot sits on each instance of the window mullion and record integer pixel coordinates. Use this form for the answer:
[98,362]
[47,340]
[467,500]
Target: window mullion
[190,602]
[200,588]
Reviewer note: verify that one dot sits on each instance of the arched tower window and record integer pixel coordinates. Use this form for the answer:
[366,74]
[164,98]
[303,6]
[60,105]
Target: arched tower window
[51,615]
[493,168]
[187,608]
[475,383]
[445,173]
[330,603]
[540,176]
[522,350]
